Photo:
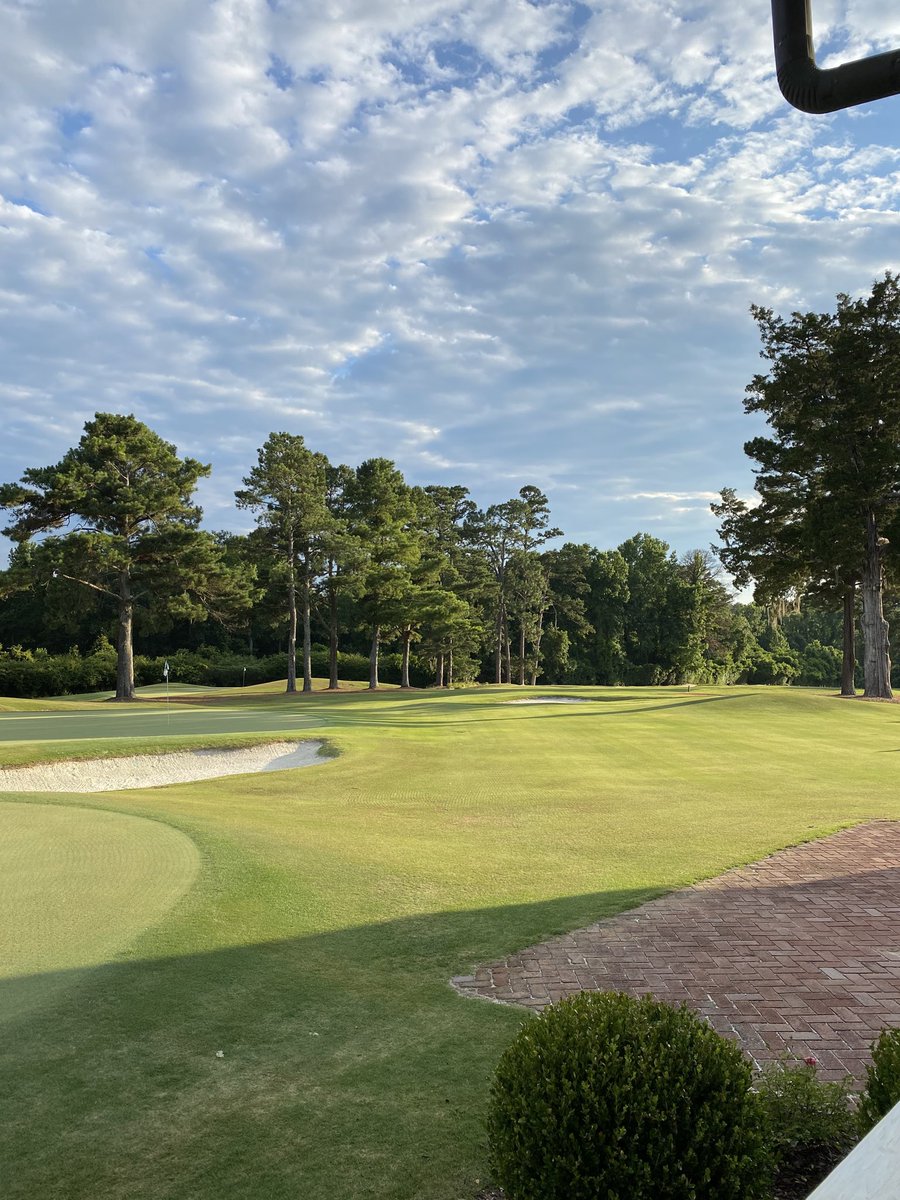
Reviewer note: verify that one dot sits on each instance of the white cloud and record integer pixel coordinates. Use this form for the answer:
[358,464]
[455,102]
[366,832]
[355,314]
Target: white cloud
[486,239]
[673,496]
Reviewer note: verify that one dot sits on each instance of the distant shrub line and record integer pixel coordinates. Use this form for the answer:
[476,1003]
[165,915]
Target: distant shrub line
[32,674]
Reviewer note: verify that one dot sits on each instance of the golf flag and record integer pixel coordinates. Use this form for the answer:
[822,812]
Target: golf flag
[166,670]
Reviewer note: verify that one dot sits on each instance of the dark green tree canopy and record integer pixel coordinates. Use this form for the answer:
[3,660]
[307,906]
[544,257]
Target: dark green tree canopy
[121,479]
[288,490]
[829,475]
[116,516]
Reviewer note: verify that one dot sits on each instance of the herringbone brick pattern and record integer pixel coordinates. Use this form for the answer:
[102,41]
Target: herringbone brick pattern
[799,953]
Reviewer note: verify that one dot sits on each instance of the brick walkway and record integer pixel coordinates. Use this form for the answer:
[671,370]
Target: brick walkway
[797,953]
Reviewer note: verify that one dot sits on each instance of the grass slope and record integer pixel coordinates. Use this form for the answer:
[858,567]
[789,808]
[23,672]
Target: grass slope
[333,905]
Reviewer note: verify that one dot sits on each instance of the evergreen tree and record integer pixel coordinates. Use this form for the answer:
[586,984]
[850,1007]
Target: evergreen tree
[383,515]
[286,488]
[832,400]
[345,559]
[607,600]
[135,543]
[502,533]
[567,572]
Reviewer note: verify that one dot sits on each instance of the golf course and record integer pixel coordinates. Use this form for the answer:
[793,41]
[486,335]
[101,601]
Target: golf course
[239,987]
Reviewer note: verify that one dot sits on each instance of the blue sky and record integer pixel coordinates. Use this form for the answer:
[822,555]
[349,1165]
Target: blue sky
[498,242]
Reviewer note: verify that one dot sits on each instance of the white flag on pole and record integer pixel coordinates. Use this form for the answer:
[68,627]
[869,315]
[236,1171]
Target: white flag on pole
[166,670]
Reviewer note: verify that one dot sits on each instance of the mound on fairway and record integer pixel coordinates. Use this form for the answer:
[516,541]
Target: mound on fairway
[552,700]
[155,770]
[76,886]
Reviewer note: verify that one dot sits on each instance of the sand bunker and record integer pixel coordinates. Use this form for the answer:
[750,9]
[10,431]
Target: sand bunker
[155,770]
[552,700]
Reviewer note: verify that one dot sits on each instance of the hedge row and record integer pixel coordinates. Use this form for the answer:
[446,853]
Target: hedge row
[36,674]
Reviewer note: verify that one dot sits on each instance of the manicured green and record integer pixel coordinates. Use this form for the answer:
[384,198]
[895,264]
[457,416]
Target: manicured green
[76,886]
[334,903]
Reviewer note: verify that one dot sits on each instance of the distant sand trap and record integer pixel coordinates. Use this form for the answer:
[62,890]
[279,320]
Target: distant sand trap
[553,700]
[156,770]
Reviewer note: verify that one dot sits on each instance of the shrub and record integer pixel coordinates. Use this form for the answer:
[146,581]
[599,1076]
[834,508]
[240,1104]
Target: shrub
[604,1095]
[806,1119]
[37,673]
[820,666]
[882,1090]
[645,675]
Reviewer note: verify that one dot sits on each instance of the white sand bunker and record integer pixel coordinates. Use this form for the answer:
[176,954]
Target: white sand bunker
[552,700]
[155,770]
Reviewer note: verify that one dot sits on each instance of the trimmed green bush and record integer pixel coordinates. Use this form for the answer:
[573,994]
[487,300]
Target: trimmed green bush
[607,1096]
[805,1116]
[34,673]
[882,1090]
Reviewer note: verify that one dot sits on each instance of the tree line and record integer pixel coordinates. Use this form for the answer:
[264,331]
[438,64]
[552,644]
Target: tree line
[107,541]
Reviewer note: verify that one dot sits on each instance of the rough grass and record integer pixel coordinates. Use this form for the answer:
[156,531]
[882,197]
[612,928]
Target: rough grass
[332,907]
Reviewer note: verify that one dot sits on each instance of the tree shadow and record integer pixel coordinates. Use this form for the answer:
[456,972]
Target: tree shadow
[476,711]
[349,1067]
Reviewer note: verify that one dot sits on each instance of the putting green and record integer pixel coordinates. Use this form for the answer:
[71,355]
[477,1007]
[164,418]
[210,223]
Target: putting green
[76,886]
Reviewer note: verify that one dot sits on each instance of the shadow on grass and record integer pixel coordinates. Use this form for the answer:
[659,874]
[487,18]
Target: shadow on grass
[349,1067]
[279,714]
[476,711]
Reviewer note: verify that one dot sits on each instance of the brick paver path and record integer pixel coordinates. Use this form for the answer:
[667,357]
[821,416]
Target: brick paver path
[797,953]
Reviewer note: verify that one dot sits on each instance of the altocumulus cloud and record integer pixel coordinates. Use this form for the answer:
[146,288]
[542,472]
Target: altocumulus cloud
[499,242]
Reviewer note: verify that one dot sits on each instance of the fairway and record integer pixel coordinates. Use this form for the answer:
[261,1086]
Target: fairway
[139,722]
[315,945]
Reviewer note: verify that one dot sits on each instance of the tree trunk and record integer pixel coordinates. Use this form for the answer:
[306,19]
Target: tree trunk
[848,665]
[373,659]
[876,659]
[124,642]
[449,682]
[307,639]
[498,657]
[537,650]
[508,652]
[404,665]
[521,652]
[439,670]
[292,622]
[333,681]
[292,640]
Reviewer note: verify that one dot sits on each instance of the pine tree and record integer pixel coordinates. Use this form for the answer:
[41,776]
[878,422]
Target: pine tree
[287,489]
[135,542]
[830,472]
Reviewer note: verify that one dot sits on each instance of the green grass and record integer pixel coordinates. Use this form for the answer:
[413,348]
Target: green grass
[77,885]
[159,691]
[333,904]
